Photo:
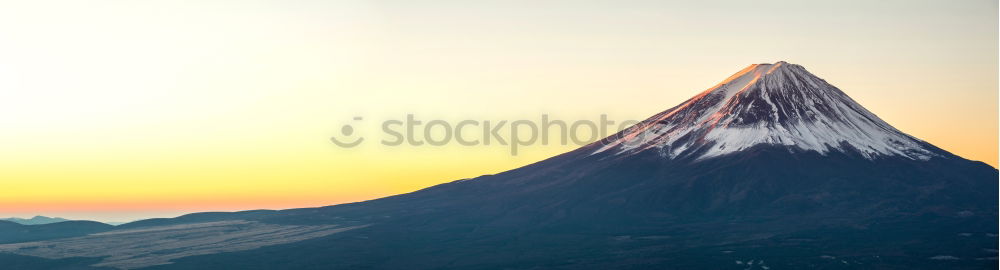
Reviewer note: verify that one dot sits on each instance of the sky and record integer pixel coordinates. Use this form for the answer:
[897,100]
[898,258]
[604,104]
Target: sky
[122,110]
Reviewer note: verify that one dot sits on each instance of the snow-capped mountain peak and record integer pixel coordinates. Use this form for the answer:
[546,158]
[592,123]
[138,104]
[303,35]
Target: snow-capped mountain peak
[775,104]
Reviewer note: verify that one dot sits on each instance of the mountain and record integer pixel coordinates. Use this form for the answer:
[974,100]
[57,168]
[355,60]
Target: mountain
[37,220]
[774,168]
[11,232]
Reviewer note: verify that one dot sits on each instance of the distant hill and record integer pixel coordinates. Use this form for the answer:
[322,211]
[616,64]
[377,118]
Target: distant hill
[11,232]
[37,220]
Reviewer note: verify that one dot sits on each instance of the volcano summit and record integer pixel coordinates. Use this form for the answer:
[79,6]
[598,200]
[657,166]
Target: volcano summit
[777,104]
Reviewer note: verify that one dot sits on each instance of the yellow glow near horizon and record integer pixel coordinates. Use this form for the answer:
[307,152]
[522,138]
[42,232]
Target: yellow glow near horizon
[117,110]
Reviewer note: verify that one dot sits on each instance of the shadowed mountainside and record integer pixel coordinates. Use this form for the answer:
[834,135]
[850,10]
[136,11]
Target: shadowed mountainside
[11,232]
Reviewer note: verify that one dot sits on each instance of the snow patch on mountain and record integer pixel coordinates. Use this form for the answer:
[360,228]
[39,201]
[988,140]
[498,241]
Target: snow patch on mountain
[775,104]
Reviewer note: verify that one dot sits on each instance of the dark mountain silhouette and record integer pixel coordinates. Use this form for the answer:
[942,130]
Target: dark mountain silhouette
[195,218]
[773,168]
[36,220]
[11,232]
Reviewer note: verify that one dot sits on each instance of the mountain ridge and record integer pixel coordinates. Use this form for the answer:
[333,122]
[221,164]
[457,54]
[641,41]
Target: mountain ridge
[36,220]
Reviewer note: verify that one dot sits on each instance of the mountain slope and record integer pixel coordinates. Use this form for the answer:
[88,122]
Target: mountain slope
[11,232]
[642,216]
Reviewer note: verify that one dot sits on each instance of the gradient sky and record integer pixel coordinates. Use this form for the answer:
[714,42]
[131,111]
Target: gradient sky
[119,110]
